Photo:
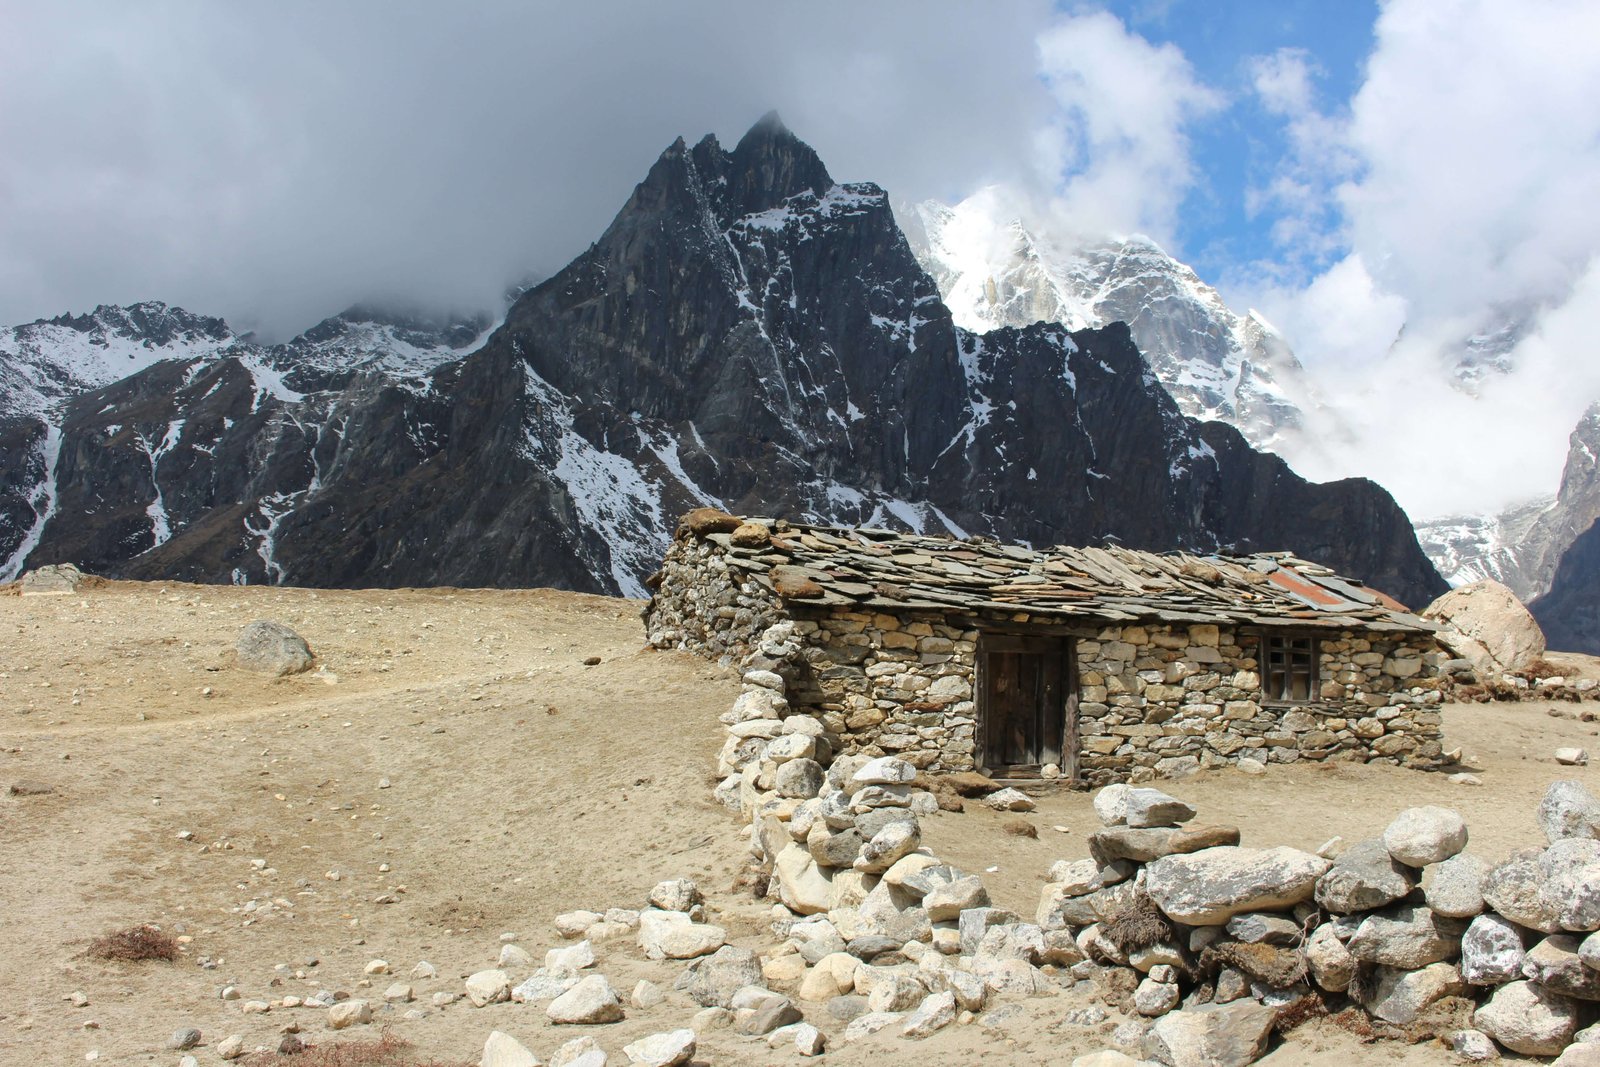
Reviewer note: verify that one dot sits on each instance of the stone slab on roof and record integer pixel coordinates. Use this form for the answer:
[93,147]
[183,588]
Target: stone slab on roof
[867,569]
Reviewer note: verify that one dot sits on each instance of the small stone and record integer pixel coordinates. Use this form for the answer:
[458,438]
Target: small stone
[572,924]
[185,1038]
[662,1050]
[870,1023]
[582,1051]
[713,980]
[349,1013]
[589,1002]
[572,958]
[424,971]
[515,956]
[376,967]
[646,994]
[1332,965]
[399,993]
[946,902]
[1154,998]
[1473,1046]
[773,1012]
[808,1040]
[1572,757]
[671,935]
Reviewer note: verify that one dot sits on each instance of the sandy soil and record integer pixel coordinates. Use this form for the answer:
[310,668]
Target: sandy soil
[520,783]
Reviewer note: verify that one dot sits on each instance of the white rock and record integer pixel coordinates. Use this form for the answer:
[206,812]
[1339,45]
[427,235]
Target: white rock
[1111,804]
[1143,807]
[1420,836]
[870,1023]
[1473,1046]
[514,956]
[424,971]
[1456,890]
[349,1013]
[1572,757]
[662,1050]
[646,994]
[1527,1019]
[231,1048]
[541,985]
[582,1051]
[802,886]
[808,1040]
[572,958]
[1154,998]
[937,1011]
[885,770]
[1209,887]
[503,1050]
[399,993]
[590,1001]
[488,987]
[677,894]
[1009,799]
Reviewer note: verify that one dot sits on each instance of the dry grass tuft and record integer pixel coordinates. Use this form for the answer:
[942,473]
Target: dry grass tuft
[1138,924]
[1279,968]
[134,944]
[386,1051]
[1295,1015]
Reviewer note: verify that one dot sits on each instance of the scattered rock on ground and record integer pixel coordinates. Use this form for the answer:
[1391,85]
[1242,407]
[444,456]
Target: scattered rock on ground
[272,648]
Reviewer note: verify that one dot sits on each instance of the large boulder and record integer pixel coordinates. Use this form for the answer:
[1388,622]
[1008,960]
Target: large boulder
[272,648]
[1568,810]
[1400,996]
[1364,876]
[1492,951]
[711,981]
[1212,1035]
[1526,1018]
[1407,936]
[1420,836]
[1209,887]
[1488,626]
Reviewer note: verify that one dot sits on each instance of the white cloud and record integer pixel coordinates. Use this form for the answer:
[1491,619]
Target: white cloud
[1116,152]
[1458,190]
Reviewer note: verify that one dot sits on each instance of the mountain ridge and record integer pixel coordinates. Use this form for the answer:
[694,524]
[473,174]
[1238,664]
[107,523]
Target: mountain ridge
[746,332]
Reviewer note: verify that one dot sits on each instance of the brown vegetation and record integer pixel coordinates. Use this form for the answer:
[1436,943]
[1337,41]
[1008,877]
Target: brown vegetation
[134,944]
[386,1051]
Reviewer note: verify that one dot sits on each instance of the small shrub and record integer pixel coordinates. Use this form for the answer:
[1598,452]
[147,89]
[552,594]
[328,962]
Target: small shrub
[134,944]
[385,1051]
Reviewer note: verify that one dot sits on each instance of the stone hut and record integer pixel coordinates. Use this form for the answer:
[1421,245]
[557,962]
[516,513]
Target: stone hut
[1090,664]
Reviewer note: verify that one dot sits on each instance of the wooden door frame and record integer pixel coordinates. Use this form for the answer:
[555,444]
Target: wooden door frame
[991,641]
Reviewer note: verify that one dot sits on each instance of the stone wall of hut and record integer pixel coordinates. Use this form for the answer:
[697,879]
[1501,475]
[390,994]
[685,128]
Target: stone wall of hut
[1159,699]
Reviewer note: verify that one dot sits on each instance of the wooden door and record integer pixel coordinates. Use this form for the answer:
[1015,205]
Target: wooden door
[1027,705]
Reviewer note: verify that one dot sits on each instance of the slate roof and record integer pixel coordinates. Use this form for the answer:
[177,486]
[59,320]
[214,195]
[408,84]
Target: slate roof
[868,569]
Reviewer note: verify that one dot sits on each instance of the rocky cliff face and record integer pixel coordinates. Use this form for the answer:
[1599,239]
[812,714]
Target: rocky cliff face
[1570,613]
[747,333]
[993,271]
[1523,545]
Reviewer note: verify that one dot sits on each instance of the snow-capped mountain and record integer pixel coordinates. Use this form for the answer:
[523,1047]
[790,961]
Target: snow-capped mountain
[1522,545]
[47,364]
[747,333]
[993,271]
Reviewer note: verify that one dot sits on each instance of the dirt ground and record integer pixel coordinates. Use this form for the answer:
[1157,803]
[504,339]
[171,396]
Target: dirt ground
[453,772]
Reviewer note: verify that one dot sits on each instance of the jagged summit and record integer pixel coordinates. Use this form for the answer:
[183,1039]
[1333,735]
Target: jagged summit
[748,334]
[994,270]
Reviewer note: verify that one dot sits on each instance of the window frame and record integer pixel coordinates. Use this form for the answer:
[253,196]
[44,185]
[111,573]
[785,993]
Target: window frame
[1313,651]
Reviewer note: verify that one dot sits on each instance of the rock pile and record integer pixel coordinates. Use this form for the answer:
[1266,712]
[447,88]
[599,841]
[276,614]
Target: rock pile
[1407,925]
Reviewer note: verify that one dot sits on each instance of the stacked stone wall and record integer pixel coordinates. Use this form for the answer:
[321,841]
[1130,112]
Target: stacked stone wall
[1154,699]
[700,605]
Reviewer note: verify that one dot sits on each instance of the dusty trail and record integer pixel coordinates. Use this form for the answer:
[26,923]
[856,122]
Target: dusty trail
[521,783]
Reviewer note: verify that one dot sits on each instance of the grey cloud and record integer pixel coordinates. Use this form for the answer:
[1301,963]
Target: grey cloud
[273,163]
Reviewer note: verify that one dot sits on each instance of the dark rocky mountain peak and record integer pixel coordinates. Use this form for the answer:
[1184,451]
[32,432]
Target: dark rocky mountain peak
[747,333]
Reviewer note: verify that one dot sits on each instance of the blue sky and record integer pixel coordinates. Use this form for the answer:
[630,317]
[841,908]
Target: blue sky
[1243,142]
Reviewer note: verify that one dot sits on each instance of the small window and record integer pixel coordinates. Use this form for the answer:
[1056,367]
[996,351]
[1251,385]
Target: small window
[1288,668]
